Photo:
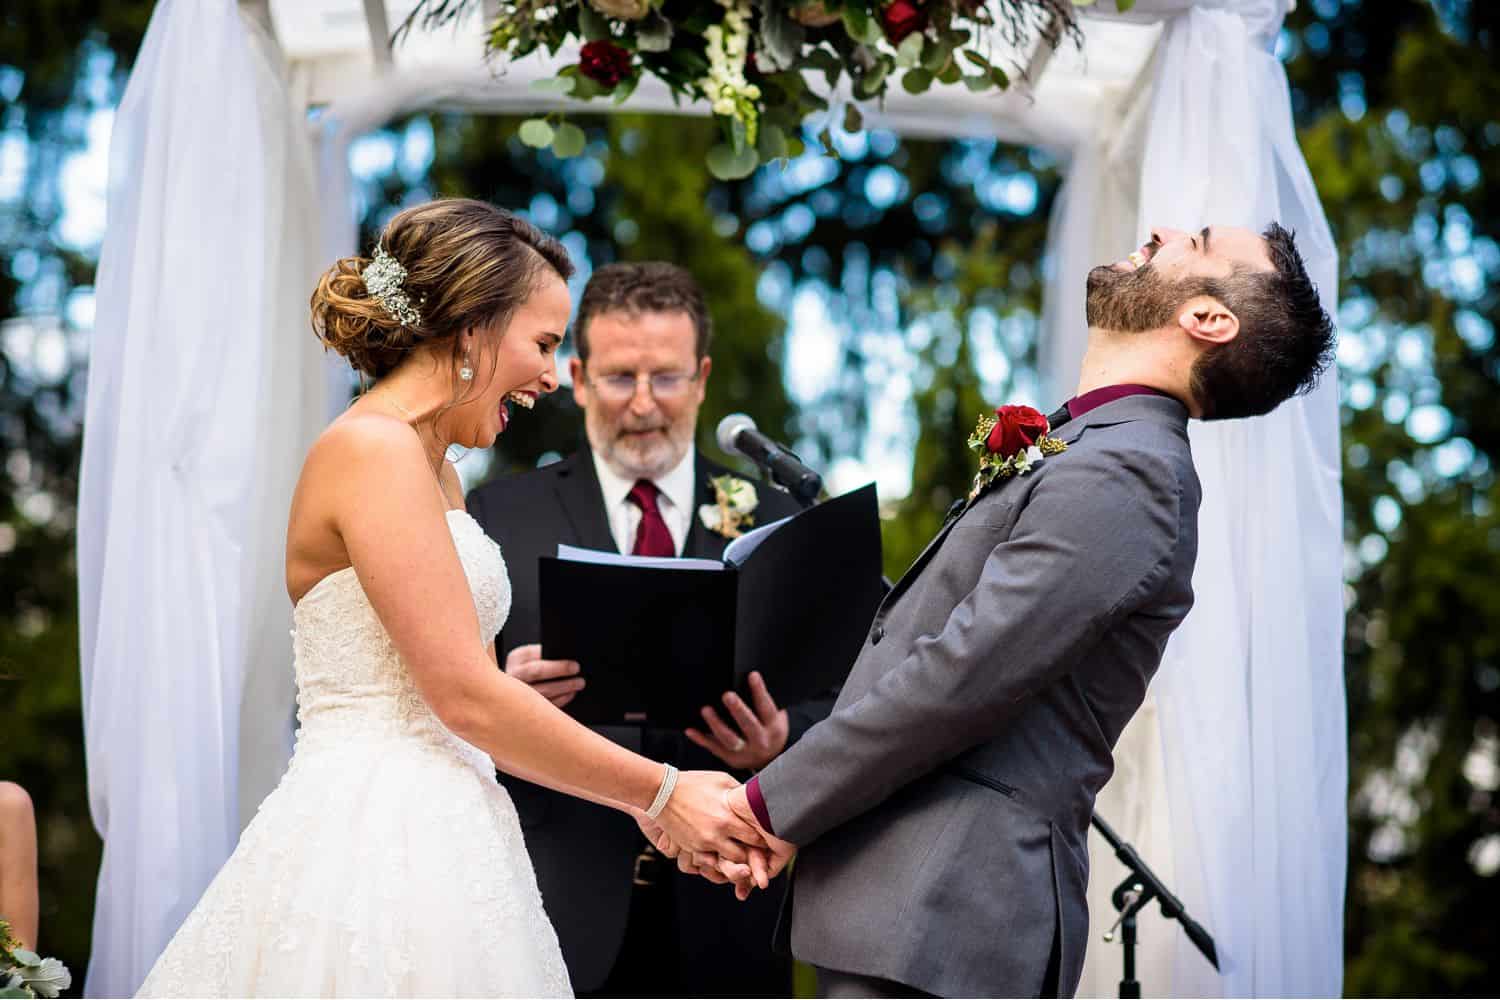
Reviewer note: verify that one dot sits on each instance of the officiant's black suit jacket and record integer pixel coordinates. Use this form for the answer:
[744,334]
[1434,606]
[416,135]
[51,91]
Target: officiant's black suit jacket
[584,854]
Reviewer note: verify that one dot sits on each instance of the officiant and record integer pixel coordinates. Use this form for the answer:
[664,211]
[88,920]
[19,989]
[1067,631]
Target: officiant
[629,922]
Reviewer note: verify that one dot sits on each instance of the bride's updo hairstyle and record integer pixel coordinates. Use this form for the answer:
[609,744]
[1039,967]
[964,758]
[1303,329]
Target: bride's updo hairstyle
[438,269]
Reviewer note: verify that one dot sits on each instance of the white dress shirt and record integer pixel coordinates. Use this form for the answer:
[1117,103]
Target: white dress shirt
[675,501]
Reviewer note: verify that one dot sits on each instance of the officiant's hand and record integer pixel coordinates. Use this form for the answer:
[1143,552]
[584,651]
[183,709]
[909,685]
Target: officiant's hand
[556,680]
[762,731]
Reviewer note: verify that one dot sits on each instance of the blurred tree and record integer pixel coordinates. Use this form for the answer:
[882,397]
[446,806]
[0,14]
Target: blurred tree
[60,62]
[1398,106]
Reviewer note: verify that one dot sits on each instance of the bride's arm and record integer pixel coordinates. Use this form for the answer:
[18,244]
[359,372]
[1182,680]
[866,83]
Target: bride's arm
[392,520]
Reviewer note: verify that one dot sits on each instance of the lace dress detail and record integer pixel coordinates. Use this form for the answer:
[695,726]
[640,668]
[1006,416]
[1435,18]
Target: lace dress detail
[388,862]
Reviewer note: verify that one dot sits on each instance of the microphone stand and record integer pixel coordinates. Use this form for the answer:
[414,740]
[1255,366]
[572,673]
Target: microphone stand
[1140,887]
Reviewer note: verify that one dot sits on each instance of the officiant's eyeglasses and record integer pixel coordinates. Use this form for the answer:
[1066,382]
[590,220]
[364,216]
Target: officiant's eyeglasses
[620,388]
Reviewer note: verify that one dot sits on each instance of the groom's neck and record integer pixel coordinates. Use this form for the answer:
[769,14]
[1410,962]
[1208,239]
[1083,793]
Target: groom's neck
[1147,358]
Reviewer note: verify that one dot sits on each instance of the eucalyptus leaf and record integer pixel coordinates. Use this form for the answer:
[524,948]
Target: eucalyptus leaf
[909,52]
[860,26]
[976,58]
[781,39]
[555,85]
[654,34]
[569,140]
[854,119]
[593,25]
[978,84]
[999,77]
[625,88]
[536,133]
[728,165]
[936,55]
[870,84]
[586,89]
[25,959]
[772,144]
[950,73]
[1123,5]
[916,81]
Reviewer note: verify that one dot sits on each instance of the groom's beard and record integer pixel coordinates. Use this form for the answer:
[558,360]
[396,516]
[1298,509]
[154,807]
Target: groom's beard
[1133,301]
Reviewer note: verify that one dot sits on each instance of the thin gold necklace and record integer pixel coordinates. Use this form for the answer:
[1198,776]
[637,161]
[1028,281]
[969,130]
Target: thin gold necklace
[404,411]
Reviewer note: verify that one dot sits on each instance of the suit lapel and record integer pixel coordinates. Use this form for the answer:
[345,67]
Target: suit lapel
[702,543]
[582,501]
[1129,408]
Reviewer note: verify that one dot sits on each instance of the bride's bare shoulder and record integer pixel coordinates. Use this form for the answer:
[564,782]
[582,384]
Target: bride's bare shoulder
[363,437]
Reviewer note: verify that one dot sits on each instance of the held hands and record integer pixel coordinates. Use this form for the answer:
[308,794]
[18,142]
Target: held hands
[762,731]
[760,862]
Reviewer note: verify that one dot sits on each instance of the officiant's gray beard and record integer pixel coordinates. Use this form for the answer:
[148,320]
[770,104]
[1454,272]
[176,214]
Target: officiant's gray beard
[630,461]
[1134,301]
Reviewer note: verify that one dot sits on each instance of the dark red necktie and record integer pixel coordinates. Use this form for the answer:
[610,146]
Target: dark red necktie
[652,538]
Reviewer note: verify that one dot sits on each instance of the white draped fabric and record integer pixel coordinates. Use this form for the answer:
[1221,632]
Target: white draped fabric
[199,409]
[205,386]
[1233,780]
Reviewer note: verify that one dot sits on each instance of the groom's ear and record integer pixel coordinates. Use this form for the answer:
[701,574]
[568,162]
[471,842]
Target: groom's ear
[1207,321]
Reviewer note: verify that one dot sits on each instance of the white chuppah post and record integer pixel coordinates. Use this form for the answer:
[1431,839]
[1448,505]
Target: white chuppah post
[204,391]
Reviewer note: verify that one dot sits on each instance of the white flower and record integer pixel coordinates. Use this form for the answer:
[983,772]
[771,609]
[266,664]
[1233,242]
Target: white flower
[625,10]
[741,497]
[46,979]
[711,516]
[1033,454]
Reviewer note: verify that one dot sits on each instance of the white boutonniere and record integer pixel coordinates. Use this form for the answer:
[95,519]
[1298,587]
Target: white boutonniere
[733,508]
[1011,443]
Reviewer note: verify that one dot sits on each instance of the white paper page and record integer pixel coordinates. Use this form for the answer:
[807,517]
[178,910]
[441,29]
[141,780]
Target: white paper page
[739,550]
[574,554]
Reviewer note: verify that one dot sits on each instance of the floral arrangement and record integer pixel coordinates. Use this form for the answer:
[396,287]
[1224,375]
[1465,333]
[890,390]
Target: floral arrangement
[25,973]
[751,59]
[733,508]
[1010,443]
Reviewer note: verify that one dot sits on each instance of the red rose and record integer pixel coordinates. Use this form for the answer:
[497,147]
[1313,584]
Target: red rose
[901,18]
[604,62]
[1016,429]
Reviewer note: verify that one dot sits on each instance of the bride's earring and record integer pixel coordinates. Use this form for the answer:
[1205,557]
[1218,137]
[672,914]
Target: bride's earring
[466,373]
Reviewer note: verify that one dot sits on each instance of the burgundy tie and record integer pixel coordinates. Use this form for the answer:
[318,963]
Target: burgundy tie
[652,538]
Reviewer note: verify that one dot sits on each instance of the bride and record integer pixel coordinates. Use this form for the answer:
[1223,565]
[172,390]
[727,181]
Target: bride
[389,861]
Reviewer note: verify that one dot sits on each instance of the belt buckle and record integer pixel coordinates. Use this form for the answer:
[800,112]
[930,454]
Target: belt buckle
[646,857]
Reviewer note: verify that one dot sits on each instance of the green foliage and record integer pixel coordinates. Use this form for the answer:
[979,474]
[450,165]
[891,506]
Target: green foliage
[1401,132]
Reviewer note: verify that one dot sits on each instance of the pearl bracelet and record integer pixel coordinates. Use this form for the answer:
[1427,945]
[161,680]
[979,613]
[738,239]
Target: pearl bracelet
[668,783]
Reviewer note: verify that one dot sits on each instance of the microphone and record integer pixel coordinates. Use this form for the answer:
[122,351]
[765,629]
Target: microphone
[738,435]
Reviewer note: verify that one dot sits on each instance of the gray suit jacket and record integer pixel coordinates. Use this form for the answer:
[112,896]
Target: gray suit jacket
[943,807]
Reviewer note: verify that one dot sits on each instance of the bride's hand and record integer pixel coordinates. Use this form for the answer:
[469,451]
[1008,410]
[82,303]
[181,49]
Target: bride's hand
[698,818]
[655,835]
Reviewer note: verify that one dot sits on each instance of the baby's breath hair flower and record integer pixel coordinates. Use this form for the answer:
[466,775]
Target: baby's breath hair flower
[384,276]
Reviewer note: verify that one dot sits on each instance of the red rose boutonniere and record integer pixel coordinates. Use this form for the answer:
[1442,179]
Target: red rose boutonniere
[1009,444]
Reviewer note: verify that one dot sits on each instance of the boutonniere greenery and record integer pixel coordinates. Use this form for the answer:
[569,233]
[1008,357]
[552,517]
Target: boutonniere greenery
[1010,443]
[24,973]
[733,508]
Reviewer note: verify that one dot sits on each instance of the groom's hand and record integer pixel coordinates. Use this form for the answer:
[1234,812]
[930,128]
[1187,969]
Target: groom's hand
[762,734]
[555,680]
[781,851]
[698,818]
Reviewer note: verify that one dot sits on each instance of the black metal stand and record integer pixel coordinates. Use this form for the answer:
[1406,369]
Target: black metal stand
[1132,895]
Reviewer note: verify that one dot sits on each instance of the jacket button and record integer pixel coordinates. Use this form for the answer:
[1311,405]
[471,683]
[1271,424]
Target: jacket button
[876,634]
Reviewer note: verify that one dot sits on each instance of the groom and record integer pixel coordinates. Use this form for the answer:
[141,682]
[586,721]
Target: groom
[942,808]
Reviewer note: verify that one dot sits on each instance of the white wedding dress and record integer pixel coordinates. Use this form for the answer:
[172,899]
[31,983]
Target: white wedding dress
[388,862]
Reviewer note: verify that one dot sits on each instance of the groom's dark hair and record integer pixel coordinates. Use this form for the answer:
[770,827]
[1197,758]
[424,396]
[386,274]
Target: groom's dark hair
[1285,341]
